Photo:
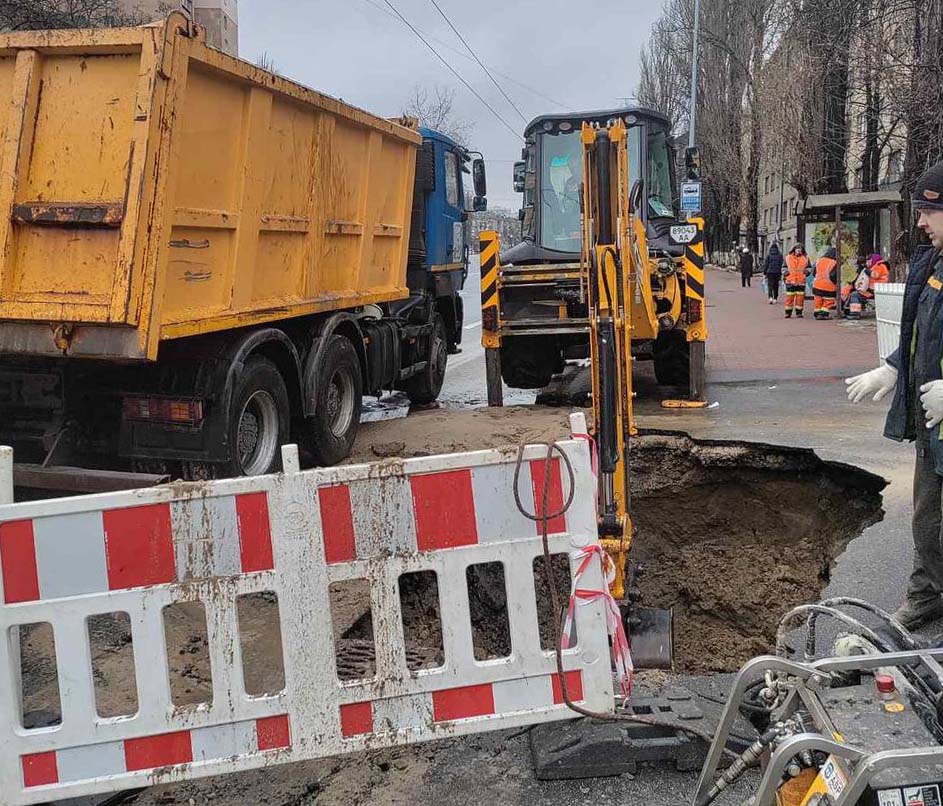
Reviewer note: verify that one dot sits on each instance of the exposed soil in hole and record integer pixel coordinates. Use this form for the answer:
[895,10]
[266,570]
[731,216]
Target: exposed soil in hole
[487,603]
[732,535]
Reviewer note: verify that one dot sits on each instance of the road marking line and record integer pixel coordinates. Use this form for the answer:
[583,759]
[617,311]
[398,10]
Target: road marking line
[473,325]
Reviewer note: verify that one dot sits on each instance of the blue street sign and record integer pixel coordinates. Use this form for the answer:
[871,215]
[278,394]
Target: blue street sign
[690,197]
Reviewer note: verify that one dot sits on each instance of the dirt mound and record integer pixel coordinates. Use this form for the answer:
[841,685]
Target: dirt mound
[732,535]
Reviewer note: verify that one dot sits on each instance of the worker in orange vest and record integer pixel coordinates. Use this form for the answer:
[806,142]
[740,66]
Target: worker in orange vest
[876,273]
[825,285]
[797,269]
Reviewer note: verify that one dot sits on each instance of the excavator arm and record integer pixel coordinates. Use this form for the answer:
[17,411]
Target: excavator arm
[616,277]
[608,264]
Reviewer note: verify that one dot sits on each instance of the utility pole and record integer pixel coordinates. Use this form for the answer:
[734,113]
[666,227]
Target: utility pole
[692,118]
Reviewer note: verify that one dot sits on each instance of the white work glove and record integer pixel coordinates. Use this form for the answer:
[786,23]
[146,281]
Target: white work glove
[878,382]
[932,402]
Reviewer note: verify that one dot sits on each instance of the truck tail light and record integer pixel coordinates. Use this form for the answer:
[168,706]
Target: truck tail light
[489,318]
[694,310]
[163,410]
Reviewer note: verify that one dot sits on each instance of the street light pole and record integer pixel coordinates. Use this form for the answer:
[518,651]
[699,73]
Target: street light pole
[692,118]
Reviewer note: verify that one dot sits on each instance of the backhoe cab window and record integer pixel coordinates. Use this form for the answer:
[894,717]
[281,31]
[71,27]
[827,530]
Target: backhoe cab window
[561,169]
[660,185]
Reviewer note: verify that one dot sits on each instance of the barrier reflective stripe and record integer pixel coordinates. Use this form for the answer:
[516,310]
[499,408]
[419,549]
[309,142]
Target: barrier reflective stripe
[437,511]
[295,535]
[79,553]
[151,752]
[457,704]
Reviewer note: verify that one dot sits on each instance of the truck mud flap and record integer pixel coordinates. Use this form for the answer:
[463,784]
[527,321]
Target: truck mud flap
[290,536]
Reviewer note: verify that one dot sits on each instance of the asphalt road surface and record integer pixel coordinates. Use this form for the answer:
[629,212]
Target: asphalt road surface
[465,377]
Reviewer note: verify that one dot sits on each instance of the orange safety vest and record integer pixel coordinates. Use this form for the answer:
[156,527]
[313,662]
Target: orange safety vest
[879,274]
[795,269]
[823,270]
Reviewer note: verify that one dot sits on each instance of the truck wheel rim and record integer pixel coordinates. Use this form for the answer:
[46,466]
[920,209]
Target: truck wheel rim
[257,435]
[340,404]
[440,357]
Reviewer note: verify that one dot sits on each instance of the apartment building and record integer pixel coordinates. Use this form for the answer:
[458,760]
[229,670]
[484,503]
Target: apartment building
[778,205]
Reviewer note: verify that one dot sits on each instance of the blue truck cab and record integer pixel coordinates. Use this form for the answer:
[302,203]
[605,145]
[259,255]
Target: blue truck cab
[438,244]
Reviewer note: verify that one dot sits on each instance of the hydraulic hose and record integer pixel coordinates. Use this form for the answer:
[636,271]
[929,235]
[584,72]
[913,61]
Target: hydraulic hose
[543,519]
[748,758]
[853,624]
[907,640]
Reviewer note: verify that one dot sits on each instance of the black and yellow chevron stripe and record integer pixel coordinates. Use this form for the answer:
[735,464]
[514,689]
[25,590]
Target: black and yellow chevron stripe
[694,266]
[489,268]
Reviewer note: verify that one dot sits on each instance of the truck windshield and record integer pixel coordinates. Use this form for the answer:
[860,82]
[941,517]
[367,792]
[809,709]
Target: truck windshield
[561,169]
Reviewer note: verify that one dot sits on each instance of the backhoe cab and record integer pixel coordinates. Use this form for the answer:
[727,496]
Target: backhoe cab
[535,312]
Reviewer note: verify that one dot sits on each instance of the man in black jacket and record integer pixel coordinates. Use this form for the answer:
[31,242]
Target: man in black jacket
[915,375]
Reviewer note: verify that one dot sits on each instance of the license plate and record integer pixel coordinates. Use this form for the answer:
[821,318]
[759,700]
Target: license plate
[684,233]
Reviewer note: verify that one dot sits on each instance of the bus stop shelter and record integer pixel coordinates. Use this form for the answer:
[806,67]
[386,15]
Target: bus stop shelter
[843,212]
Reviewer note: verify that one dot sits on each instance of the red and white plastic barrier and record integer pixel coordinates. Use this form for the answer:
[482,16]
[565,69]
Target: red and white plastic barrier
[64,561]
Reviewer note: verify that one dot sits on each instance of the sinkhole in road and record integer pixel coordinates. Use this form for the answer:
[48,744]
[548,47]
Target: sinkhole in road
[734,534]
[731,535]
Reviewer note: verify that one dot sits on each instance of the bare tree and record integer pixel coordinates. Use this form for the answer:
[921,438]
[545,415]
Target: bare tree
[434,108]
[267,62]
[20,15]
[815,89]
[664,79]
[924,111]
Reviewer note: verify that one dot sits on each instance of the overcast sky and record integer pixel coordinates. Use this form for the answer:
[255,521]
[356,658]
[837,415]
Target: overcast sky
[581,55]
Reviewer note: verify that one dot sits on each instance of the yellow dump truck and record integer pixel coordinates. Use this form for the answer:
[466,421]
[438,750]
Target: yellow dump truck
[200,260]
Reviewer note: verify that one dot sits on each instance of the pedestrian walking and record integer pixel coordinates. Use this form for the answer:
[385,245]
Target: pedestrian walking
[914,374]
[797,269]
[746,267]
[875,272]
[774,272]
[825,285]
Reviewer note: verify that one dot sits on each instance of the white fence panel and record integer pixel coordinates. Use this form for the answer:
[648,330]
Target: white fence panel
[888,304]
[293,535]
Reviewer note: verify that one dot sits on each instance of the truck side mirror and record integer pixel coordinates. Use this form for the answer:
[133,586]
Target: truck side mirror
[520,171]
[479,179]
[635,196]
[479,204]
[692,162]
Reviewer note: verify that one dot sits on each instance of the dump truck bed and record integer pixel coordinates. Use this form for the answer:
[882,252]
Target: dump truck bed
[153,188]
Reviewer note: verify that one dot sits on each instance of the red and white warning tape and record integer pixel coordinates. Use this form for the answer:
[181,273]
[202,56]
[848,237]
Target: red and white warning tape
[622,657]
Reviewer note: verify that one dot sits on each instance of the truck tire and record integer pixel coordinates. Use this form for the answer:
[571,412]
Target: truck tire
[425,387]
[336,419]
[673,359]
[259,419]
[529,363]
